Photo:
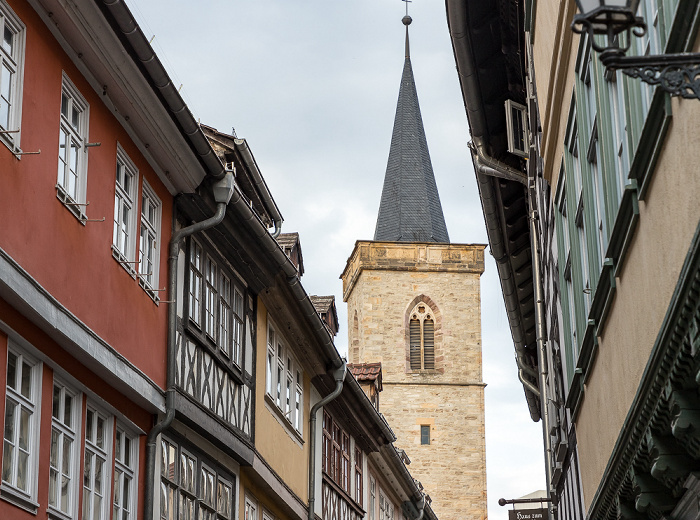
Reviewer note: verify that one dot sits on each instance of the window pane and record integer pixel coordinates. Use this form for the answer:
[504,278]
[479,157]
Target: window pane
[24,417]
[10,407]
[56,408]
[68,411]
[26,380]
[12,370]
[8,40]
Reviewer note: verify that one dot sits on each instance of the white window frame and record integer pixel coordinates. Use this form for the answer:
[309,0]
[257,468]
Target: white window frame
[125,471]
[74,200]
[103,452]
[14,62]
[125,199]
[149,279]
[33,405]
[284,380]
[516,110]
[251,511]
[66,431]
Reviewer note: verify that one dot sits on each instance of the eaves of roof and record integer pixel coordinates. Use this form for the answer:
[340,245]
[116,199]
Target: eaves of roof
[488,76]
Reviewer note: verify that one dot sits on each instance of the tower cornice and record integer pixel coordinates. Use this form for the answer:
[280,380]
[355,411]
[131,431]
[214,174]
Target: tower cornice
[411,256]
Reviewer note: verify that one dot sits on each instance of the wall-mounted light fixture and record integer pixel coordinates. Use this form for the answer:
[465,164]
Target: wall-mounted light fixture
[677,74]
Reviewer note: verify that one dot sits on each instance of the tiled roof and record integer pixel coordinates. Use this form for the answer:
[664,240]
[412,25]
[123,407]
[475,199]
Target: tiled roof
[367,372]
[410,209]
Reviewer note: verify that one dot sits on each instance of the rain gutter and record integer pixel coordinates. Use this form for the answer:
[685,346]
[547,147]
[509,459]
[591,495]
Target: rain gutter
[164,87]
[486,167]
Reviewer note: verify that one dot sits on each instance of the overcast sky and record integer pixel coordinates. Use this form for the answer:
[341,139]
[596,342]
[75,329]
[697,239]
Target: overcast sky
[312,85]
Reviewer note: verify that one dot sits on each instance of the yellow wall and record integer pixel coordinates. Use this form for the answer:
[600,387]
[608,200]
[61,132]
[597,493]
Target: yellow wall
[272,440]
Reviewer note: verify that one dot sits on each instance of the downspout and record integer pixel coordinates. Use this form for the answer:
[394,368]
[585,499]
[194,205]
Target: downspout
[223,189]
[492,167]
[421,509]
[339,376]
[524,369]
[540,330]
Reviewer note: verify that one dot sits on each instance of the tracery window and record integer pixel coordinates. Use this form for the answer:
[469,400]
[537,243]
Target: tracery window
[421,338]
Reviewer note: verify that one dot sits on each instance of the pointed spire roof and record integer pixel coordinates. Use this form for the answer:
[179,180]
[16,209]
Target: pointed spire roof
[410,209]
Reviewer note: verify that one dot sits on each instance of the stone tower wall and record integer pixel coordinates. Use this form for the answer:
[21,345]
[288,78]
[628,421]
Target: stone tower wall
[382,283]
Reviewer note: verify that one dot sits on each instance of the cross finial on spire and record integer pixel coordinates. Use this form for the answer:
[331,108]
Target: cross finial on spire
[407,21]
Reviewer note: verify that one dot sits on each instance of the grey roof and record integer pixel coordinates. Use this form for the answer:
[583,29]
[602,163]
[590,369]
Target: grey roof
[410,209]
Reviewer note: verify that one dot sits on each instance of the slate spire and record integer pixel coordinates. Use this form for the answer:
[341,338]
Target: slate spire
[410,209]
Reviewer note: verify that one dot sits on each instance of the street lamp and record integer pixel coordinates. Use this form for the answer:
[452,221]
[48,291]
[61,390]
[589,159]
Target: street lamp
[677,74]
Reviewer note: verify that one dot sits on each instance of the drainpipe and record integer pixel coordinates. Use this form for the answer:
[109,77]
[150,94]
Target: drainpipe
[223,190]
[492,167]
[339,376]
[540,329]
[524,369]
[421,508]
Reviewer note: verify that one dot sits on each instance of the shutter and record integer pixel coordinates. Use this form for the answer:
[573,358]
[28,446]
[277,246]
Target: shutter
[414,332]
[428,344]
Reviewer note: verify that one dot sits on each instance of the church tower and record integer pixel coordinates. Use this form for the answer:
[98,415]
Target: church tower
[414,306]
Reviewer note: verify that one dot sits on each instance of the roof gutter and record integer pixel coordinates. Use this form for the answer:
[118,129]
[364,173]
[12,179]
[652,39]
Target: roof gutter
[163,85]
[244,149]
[270,246]
[485,167]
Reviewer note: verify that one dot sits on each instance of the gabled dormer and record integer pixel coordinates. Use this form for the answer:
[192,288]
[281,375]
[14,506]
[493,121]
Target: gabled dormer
[325,307]
[369,375]
[291,245]
[235,153]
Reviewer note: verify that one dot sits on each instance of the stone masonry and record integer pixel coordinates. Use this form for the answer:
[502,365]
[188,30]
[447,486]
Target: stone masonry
[382,283]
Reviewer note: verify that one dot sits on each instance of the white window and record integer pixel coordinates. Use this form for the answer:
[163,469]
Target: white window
[98,436]
[372,497]
[125,458]
[65,452]
[19,455]
[192,487]
[72,155]
[516,128]
[386,508]
[210,298]
[11,72]
[149,242]
[284,383]
[124,233]
[251,509]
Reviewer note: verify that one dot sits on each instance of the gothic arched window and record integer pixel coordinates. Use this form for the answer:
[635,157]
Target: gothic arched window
[421,329]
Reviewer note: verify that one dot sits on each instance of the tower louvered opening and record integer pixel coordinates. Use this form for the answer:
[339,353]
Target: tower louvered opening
[415,344]
[428,344]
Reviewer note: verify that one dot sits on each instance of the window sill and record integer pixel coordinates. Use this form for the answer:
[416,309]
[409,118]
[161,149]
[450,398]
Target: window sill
[204,340]
[55,514]
[126,264]
[71,205]
[343,494]
[14,148]
[282,419]
[153,293]
[17,498]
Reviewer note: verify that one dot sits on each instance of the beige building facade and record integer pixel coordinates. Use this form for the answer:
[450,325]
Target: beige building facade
[607,194]
[385,285]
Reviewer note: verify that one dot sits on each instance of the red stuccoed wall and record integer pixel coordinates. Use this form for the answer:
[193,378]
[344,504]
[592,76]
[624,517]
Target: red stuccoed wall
[70,260]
